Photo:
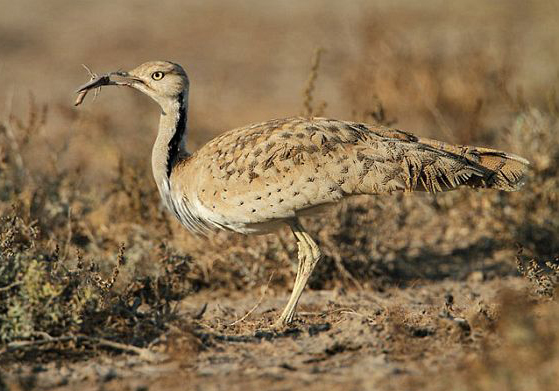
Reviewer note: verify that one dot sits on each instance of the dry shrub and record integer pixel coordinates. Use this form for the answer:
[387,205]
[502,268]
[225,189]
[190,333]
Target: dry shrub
[42,299]
[444,84]
[54,301]
[30,283]
[522,354]
[542,274]
[518,349]
[535,134]
[457,91]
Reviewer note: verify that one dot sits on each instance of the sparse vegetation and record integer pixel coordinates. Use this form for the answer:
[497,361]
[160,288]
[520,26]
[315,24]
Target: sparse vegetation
[543,275]
[416,291]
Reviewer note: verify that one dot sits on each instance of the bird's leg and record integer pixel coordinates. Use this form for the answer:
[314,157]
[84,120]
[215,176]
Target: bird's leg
[300,260]
[309,255]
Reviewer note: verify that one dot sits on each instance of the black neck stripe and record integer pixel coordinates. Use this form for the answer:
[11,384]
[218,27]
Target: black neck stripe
[173,148]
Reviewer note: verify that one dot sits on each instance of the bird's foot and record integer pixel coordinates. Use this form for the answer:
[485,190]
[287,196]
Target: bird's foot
[283,321]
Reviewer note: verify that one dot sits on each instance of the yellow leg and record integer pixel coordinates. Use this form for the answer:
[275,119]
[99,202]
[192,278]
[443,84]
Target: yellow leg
[309,255]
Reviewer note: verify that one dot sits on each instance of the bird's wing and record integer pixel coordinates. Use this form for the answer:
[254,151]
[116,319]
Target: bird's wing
[276,169]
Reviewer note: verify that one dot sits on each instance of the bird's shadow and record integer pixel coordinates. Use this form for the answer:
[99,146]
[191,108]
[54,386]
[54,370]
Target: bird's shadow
[428,265]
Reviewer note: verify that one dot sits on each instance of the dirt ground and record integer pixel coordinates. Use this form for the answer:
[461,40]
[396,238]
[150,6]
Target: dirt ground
[341,341]
[101,289]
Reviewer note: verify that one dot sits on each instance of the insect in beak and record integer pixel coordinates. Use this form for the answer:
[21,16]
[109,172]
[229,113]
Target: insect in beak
[98,81]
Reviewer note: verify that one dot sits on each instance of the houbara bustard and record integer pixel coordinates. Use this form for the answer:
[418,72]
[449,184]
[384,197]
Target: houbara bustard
[256,178]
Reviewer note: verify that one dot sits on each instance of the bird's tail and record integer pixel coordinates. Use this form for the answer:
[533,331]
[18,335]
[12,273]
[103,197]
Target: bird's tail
[501,170]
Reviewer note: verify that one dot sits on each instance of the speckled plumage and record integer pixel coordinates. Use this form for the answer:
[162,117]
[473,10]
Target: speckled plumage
[250,178]
[256,178]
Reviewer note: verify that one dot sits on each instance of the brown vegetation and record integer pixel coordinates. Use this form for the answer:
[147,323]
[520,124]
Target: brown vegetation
[97,281]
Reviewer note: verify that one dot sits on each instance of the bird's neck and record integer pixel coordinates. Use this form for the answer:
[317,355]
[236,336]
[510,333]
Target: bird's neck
[170,144]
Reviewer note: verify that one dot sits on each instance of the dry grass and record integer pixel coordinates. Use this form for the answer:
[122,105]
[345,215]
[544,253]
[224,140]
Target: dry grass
[519,354]
[75,183]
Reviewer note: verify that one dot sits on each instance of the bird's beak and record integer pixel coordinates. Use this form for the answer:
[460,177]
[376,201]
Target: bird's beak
[126,79]
[105,80]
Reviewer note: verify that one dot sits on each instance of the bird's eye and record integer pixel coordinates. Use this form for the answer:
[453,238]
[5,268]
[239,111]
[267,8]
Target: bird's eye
[157,75]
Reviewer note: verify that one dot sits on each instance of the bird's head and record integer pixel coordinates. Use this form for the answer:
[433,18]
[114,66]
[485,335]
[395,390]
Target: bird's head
[163,81]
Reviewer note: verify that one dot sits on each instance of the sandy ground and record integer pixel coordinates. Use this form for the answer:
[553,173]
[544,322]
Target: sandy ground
[341,341]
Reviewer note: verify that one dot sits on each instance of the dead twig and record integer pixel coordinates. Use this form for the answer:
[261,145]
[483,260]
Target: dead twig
[256,305]
[201,312]
[309,109]
[144,354]
[12,285]
[68,242]
[435,112]
[13,142]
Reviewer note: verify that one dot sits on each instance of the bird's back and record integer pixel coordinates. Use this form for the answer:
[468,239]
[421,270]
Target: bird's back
[251,178]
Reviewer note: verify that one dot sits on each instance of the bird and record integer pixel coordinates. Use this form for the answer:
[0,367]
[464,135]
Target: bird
[258,178]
